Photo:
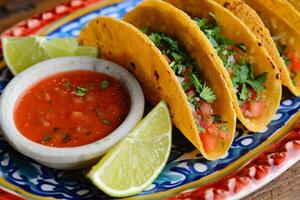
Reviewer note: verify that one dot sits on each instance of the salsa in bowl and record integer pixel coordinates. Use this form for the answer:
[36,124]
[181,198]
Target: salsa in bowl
[67,112]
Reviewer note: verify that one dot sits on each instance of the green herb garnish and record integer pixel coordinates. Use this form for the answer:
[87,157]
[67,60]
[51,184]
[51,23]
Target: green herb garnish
[104,84]
[81,91]
[200,129]
[47,138]
[224,128]
[66,138]
[106,121]
[243,74]
[180,63]
[217,118]
[67,85]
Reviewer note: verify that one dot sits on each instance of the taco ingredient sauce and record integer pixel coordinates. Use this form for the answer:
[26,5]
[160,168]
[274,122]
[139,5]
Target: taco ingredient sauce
[71,108]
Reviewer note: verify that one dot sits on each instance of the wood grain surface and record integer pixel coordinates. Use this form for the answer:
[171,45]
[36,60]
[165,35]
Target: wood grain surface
[284,187]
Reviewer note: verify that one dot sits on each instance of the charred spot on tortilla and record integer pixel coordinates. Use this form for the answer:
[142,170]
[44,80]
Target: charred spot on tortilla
[156,75]
[109,52]
[226,4]
[132,65]
[277,76]
[259,44]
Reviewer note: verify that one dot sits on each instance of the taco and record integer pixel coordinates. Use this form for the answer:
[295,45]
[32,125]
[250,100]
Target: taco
[296,4]
[182,72]
[284,54]
[248,69]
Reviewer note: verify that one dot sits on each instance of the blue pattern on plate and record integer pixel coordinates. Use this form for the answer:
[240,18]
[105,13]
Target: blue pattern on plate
[185,164]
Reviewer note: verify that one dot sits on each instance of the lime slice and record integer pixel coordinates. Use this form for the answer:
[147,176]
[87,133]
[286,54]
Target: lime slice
[60,47]
[133,164]
[23,52]
[20,53]
[87,51]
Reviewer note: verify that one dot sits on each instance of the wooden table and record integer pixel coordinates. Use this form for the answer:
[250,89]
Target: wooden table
[285,187]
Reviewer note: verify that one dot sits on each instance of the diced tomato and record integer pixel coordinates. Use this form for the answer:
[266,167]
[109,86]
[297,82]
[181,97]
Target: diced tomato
[206,123]
[244,107]
[213,130]
[209,141]
[191,93]
[167,58]
[186,73]
[205,108]
[295,61]
[252,94]
[255,109]
[223,134]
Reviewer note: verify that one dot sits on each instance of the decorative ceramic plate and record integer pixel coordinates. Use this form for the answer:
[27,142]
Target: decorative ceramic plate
[253,160]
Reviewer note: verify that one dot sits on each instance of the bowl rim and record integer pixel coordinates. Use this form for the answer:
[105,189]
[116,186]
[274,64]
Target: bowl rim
[50,67]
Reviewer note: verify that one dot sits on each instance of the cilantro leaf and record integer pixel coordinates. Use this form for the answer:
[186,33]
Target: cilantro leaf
[244,93]
[258,83]
[200,129]
[144,30]
[81,91]
[196,82]
[207,94]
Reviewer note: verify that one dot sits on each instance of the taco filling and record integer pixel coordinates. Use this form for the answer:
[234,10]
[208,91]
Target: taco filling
[248,87]
[212,130]
[292,62]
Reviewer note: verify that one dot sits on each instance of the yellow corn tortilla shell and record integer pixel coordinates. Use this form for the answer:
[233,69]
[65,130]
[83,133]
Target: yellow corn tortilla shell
[252,20]
[296,4]
[281,18]
[124,44]
[236,30]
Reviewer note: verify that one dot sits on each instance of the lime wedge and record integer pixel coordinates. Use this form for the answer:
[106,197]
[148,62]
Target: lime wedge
[86,51]
[133,164]
[60,47]
[23,52]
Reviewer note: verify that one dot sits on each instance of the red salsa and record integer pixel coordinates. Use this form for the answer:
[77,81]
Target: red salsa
[71,108]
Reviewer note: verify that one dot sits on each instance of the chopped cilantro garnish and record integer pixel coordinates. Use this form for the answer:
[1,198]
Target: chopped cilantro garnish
[258,83]
[241,46]
[47,138]
[243,75]
[66,137]
[223,127]
[244,93]
[81,91]
[196,82]
[193,101]
[181,62]
[106,121]
[104,84]
[144,30]
[217,118]
[186,86]
[200,129]
[207,94]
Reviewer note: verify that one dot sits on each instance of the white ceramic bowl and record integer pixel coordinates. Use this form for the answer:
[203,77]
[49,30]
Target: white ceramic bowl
[73,157]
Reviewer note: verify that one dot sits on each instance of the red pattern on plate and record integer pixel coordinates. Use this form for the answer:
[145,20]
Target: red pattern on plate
[36,23]
[7,196]
[254,172]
